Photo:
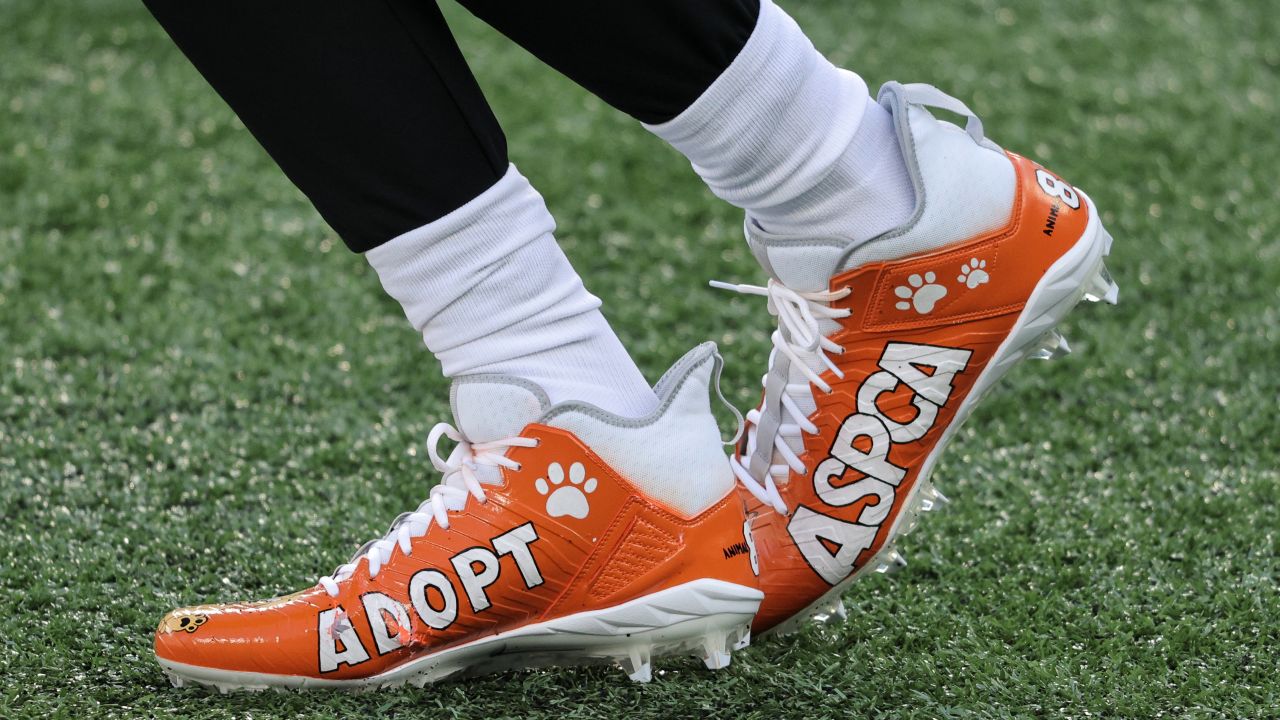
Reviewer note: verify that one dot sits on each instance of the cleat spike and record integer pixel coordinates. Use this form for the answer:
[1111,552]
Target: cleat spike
[742,638]
[717,660]
[1050,346]
[891,562]
[715,650]
[637,664]
[831,612]
[929,498]
[1064,347]
[1102,288]
[932,499]
[898,560]
[838,611]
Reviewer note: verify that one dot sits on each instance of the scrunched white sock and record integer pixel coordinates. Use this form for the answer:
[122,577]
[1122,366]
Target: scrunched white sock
[795,141]
[492,292]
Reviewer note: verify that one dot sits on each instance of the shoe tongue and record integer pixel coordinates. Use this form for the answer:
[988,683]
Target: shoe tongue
[492,407]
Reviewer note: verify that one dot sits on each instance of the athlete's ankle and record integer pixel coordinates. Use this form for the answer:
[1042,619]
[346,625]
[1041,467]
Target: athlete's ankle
[795,141]
[492,292]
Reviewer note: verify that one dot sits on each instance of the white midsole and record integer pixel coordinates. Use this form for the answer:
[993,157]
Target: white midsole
[666,618]
[1053,297]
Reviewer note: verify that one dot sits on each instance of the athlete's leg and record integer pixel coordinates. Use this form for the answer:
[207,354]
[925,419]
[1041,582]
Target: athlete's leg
[371,110]
[361,104]
[557,532]
[735,85]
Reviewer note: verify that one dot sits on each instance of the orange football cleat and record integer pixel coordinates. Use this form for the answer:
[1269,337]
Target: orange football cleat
[559,535]
[884,348]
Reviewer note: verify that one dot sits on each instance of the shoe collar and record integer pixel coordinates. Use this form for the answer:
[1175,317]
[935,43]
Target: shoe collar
[807,263]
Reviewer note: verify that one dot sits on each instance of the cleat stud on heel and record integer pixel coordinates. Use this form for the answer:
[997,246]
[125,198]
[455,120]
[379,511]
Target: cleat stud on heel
[717,660]
[1064,348]
[1050,346]
[1102,288]
[715,650]
[742,638]
[637,664]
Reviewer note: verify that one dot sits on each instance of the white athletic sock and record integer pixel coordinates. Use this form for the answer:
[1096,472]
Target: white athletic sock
[492,292]
[795,141]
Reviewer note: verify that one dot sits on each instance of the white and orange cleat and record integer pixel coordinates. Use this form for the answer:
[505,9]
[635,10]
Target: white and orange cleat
[560,535]
[884,348]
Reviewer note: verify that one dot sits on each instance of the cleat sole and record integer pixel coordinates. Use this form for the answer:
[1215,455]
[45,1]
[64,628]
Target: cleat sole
[706,618]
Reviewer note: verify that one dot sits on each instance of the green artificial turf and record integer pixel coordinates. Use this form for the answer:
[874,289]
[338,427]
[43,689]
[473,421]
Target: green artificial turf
[204,397]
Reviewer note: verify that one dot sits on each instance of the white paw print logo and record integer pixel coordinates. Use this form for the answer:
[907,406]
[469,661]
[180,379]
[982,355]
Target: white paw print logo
[973,273]
[568,499]
[923,294]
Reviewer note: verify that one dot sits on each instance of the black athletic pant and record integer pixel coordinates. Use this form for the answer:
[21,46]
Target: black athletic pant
[370,109]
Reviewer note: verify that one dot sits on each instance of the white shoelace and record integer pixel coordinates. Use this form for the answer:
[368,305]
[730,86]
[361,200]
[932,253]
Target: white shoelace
[798,337]
[460,483]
